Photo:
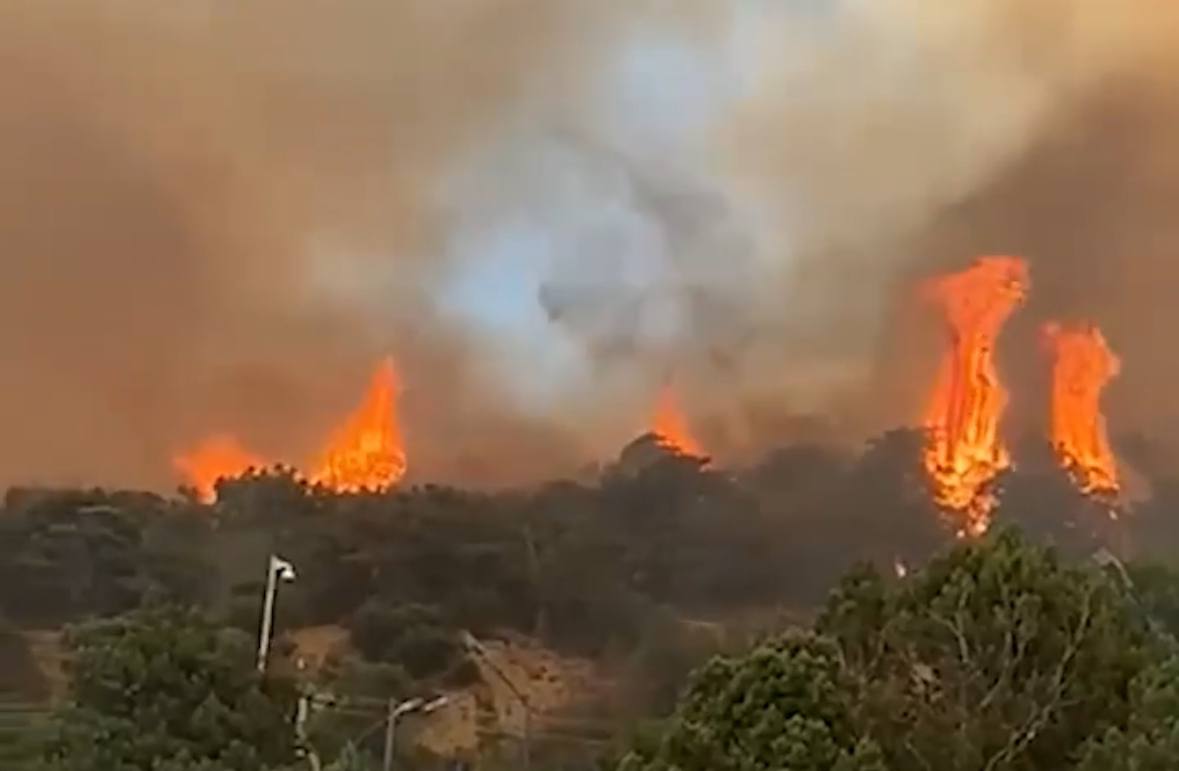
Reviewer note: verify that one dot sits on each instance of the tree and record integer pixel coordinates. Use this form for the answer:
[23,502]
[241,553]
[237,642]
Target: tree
[163,689]
[1156,586]
[1150,739]
[65,555]
[785,707]
[413,636]
[1042,500]
[834,511]
[996,656]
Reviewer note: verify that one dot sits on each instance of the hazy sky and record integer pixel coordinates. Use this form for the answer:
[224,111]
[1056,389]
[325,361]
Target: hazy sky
[216,217]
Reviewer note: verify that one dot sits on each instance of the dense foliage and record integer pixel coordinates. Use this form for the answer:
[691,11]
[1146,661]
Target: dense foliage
[995,657]
[784,706]
[649,567]
[581,565]
[166,690]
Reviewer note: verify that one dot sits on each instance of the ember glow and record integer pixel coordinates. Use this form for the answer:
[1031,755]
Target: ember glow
[1082,366]
[670,426]
[964,452]
[218,457]
[367,451]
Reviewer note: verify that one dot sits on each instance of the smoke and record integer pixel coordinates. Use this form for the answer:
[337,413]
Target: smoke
[1088,200]
[753,245]
[885,119]
[217,216]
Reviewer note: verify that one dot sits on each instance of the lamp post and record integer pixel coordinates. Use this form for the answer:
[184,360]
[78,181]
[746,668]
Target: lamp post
[303,746]
[472,645]
[277,569]
[396,711]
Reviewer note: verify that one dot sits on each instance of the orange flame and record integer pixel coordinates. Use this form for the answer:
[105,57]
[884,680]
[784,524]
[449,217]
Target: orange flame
[367,452]
[1082,365]
[670,427]
[218,457]
[964,452]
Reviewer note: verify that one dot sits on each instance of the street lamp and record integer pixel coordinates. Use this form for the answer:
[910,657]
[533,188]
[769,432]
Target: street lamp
[278,569]
[397,711]
[472,645]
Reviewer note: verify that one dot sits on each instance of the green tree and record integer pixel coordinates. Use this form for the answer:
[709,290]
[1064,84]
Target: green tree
[1156,586]
[67,555]
[413,636]
[1150,739]
[785,707]
[997,656]
[163,689]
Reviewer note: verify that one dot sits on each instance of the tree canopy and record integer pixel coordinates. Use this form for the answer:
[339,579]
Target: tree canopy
[784,706]
[647,568]
[166,690]
[997,656]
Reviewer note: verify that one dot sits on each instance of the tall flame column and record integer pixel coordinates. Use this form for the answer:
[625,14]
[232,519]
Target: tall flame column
[964,451]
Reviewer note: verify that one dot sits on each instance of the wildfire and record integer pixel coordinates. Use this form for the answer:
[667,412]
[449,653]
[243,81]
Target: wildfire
[218,457]
[1082,365]
[964,452]
[670,426]
[367,452]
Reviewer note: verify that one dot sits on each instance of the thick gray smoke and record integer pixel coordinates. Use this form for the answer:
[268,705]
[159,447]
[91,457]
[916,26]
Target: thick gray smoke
[1087,198]
[217,216]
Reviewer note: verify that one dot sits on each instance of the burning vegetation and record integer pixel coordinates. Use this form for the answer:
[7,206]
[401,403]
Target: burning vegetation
[218,457]
[670,426]
[192,244]
[366,452]
[965,451]
[1082,366]
[963,454]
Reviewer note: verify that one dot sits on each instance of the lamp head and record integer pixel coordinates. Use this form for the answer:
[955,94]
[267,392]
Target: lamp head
[436,704]
[284,570]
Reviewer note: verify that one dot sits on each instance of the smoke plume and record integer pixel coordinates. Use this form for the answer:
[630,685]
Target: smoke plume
[215,215]
[218,216]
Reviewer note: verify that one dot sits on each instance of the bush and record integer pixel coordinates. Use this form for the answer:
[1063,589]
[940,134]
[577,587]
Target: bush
[412,636]
[783,707]
[164,688]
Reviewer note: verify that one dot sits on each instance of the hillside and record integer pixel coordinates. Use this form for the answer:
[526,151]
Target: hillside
[595,599]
